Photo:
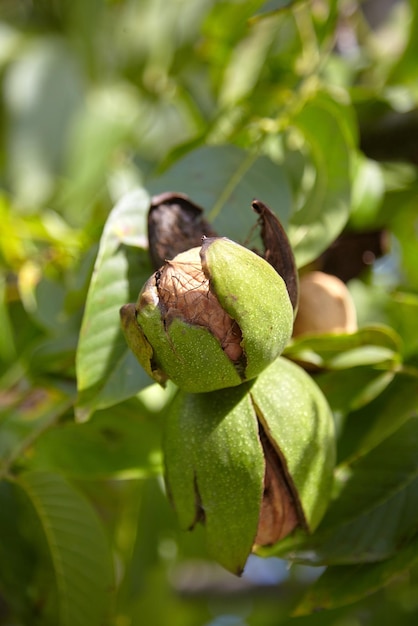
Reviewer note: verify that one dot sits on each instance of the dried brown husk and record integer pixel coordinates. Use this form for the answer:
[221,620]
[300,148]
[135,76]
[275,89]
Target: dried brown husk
[277,249]
[175,224]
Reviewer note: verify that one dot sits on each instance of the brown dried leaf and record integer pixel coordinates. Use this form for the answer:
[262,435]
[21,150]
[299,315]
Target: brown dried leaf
[175,224]
[277,249]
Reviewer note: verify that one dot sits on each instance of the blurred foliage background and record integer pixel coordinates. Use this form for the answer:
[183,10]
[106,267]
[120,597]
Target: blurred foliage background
[101,98]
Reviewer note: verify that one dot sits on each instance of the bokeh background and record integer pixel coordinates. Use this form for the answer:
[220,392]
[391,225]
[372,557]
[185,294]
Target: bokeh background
[98,98]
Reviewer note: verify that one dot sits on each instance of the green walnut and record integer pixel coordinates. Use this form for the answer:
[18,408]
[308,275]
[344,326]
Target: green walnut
[212,317]
[253,463]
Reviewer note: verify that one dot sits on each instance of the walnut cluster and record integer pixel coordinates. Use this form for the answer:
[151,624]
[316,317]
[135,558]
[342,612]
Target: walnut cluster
[184,291]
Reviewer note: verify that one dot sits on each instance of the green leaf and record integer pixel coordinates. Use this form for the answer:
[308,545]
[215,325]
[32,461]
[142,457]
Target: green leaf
[224,180]
[120,442]
[352,388]
[97,135]
[107,372]
[272,6]
[246,63]
[215,469]
[403,309]
[78,547]
[368,191]
[30,414]
[388,411]
[371,345]
[345,584]
[43,91]
[405,71]
[403,223]
[376,509]
[326,127]
[24,590]
[7,344]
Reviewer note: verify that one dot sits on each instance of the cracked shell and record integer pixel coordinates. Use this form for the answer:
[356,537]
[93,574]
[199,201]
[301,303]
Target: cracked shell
[212,317]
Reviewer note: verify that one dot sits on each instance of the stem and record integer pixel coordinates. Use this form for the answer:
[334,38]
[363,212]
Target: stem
[232,183]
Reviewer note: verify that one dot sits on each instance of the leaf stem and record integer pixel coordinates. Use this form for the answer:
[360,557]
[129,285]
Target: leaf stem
[232,183]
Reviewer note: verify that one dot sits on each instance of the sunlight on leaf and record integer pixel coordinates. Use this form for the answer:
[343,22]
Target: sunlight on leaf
[106,371]
[118,442]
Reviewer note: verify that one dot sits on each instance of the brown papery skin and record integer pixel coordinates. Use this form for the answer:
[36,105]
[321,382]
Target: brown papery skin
[278,514]
[184,292]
